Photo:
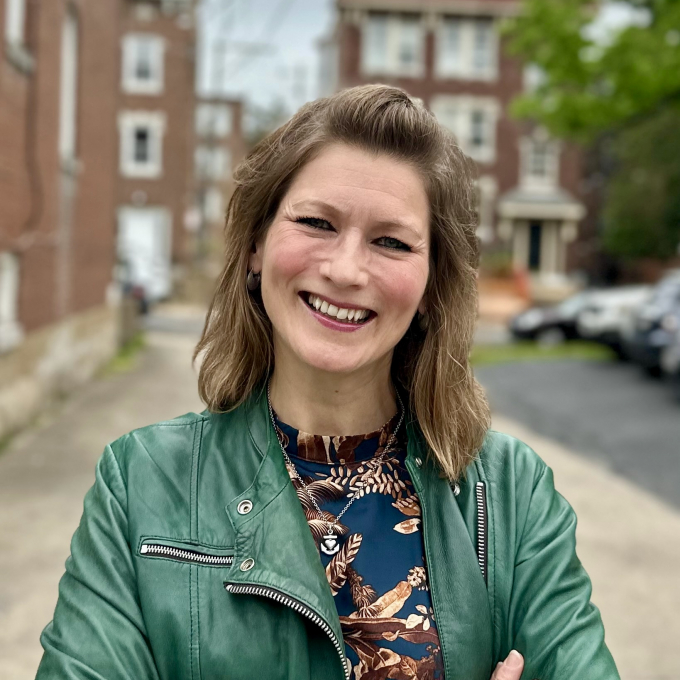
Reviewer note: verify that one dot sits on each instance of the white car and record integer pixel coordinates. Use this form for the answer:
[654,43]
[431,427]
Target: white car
[609,313]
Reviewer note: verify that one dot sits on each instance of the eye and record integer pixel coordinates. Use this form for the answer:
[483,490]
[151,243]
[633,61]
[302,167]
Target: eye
[392,243]
[316,222]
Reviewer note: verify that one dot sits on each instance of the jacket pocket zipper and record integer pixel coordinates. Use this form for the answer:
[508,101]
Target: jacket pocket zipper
[482,527]
[297,606]
[183,555]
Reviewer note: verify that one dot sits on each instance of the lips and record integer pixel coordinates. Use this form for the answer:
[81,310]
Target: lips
[349,315]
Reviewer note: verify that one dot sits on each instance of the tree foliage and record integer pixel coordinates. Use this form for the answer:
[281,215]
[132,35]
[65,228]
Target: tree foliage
[593,85]
[623,87]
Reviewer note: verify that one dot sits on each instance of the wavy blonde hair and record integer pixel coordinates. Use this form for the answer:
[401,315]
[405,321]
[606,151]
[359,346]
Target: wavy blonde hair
[430,365]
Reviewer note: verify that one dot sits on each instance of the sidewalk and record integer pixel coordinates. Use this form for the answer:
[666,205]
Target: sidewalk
[629,543]
[627,540]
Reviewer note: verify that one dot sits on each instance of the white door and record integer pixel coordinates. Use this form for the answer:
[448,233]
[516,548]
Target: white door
[144,245]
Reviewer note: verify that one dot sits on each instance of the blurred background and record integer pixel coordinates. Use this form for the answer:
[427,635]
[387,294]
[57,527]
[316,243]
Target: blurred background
[121,122]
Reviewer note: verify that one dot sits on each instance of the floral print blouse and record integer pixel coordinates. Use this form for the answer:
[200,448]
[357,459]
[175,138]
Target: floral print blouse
[378,577]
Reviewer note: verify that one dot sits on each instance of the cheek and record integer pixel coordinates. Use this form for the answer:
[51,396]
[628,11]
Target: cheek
[289,257]
[404,286]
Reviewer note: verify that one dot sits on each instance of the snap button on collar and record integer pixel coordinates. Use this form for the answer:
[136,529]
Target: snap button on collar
[419,461]
[247,564]
[244,507]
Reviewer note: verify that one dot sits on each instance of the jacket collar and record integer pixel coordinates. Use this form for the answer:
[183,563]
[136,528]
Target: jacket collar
[275,535]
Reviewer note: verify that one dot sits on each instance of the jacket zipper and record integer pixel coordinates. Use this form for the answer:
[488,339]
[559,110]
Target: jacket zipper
[482,526]
[181,555]
[297,606]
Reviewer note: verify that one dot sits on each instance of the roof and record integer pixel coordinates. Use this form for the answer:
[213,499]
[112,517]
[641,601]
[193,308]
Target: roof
[479,7]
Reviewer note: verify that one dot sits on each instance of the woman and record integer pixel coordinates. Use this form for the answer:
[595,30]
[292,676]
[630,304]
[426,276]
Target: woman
[270,536]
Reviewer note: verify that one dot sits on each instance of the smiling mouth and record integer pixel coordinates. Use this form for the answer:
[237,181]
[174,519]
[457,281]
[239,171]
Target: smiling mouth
[341,314]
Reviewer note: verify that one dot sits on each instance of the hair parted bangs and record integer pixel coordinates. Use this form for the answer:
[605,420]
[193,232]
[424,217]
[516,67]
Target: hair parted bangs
[431,366]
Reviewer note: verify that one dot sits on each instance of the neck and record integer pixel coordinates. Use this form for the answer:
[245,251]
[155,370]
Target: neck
[331,404]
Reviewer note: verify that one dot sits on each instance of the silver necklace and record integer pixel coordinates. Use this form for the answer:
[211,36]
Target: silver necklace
[330,543]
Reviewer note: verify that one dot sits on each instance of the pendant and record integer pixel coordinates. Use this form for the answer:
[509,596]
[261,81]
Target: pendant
[329,544]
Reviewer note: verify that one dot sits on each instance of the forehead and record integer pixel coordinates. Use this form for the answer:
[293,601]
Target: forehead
[357,181]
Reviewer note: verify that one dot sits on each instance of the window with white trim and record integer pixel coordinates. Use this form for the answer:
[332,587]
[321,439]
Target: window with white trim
[143,63]
[68,87]
[214,120]
[539,161]
[10,330]
[393,44]
[473,122]
[15,22]
[212,163]
[466,48]
[213,205]
[141,143]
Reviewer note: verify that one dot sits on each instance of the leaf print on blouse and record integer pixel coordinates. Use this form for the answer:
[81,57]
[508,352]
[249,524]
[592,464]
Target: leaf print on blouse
[363,629]
[338,568]
[372,476]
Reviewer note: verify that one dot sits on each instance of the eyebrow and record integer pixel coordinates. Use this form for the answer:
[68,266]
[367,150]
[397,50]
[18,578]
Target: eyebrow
[314,203]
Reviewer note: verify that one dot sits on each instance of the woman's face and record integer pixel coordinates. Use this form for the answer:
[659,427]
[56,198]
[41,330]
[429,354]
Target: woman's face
[344,263]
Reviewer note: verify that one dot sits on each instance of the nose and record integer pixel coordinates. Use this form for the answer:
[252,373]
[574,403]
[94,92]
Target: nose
[346,264]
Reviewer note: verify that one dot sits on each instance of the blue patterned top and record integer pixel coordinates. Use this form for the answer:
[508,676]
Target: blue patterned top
[377,576]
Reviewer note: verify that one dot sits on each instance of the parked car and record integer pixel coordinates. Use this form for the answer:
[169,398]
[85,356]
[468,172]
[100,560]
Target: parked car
[670,354]
[608,313]
[553,324]
[652,327]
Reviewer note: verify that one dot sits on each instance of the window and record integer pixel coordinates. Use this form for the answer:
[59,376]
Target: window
[141,143]
[467,49]
[214,120]
[143,57]
[473,122]
[392,44]
[68,87]
[212,163]
[540,161]
[213,206]
[10,329]
[15,22]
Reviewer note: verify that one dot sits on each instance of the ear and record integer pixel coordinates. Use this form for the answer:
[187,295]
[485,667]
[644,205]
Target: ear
[255,257]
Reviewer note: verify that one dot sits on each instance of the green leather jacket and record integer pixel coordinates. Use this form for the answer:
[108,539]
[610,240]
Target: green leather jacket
[193,559]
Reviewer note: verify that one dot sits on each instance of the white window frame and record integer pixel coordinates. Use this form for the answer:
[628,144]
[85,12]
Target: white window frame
[212,162]
[548,180]
[389,62]
[131,83]
[213,205]
[128,123]
[68,88]
[15,22]
[457,113]
[11,332]
[465,66]
[214,120]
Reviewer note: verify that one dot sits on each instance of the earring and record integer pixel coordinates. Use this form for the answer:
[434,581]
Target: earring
[423,321]
[253,281]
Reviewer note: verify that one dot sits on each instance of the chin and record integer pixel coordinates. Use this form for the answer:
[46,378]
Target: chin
[330,361]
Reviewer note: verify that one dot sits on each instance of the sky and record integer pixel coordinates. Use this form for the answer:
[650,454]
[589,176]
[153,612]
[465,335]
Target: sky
[263,51]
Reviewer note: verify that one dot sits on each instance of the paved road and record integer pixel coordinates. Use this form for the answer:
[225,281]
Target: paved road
[625,419]
[46,471]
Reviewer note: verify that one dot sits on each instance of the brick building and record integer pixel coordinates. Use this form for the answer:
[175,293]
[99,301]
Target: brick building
[155,126]
[220,146]
[58,147]
[450,54]
[96,127]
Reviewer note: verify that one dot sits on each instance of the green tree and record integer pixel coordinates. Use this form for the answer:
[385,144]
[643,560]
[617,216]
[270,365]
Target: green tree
[620,93]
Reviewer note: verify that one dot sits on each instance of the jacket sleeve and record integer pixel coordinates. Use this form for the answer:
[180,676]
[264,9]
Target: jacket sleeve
[98,631]
[555,626]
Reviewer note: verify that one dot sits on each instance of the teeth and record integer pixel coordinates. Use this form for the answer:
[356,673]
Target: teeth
[341,314]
